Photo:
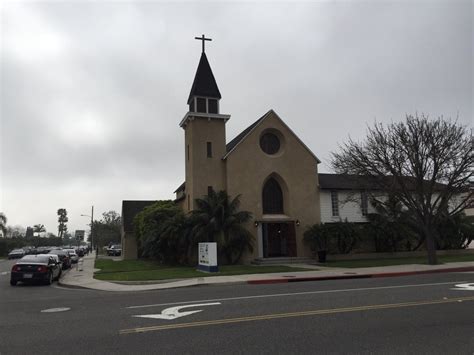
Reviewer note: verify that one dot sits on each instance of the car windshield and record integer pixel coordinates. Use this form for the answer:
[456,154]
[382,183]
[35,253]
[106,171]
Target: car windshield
[17,251]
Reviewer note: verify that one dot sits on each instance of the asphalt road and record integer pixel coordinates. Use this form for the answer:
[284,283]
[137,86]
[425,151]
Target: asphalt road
[424,314]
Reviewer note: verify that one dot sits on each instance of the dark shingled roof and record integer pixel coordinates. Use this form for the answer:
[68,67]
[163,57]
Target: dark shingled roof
[345,182]
[204,83]
[181,187]
[359,182]
[229,146]
[129,210]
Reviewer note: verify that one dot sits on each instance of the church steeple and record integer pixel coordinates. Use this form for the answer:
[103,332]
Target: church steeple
[204,84]
[204,97]
[204,136]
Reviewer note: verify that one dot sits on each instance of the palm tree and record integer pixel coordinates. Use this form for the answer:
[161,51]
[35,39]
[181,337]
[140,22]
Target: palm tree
[3,224]
[176,238]
[218,219]
[39,228]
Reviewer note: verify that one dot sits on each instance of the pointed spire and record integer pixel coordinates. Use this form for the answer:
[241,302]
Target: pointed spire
[204,83]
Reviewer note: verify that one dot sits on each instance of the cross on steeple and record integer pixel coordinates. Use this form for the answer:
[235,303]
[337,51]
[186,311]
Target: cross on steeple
[203,39]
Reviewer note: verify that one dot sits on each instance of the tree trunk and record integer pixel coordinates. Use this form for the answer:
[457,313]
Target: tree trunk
[430,245]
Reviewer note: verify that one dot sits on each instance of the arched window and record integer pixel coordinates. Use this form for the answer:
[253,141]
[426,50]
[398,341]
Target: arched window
[272,197]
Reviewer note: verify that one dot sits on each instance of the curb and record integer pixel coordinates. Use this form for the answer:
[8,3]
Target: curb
[359,276]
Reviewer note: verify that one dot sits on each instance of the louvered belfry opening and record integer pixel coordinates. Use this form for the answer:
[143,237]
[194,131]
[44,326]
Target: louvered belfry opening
[272,197]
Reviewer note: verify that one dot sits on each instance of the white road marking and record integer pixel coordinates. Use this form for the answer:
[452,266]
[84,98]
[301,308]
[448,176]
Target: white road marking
[294,294]
[5,273]
[464,287]
[54,310]
[174,312]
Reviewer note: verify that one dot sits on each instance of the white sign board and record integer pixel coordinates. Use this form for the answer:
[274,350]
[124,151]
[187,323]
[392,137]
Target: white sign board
[207,257]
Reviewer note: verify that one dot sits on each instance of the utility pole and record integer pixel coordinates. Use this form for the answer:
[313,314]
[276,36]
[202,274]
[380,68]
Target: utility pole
[92,228]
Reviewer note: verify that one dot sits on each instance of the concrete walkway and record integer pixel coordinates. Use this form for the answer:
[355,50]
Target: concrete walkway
[82,276]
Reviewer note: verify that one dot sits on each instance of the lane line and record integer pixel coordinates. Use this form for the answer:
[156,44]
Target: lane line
[294,294]
[293,314]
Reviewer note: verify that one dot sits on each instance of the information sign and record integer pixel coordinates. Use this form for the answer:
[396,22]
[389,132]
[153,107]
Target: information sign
[207,257]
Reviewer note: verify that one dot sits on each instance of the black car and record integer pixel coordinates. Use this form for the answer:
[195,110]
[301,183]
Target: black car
[34,268]
[63,256]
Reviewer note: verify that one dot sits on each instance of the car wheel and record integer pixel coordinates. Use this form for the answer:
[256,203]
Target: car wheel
[13,282]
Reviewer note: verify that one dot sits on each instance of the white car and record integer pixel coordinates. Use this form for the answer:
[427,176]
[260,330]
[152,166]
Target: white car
[72,254]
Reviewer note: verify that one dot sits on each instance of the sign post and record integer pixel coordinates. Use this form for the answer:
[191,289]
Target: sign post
[208,257]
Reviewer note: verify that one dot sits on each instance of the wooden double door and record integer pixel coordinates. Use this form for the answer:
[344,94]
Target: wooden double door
[279,239]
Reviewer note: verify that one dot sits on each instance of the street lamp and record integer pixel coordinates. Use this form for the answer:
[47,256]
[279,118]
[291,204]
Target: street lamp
[92,224]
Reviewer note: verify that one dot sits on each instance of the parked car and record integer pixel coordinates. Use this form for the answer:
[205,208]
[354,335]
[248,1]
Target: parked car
[114,250]
[30,268]
[16,254]
[63,256]
[72,254]
[57,260]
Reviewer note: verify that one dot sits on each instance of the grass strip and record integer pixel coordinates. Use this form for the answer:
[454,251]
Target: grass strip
[183,272]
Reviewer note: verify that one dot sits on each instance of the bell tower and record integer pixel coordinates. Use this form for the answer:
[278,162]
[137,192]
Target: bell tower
[204,135]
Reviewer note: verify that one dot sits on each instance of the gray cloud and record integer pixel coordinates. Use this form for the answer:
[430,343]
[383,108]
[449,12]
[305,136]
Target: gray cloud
[92,93]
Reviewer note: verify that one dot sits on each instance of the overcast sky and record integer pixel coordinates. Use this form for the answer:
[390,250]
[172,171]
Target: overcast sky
[92,92]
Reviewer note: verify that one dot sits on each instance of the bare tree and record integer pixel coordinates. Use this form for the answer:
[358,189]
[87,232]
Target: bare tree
[426,164]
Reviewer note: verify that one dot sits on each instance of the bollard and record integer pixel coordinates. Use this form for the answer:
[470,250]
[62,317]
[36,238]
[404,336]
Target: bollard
[79,265]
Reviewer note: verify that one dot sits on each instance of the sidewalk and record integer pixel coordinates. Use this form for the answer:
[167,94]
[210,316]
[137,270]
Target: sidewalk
[83,276]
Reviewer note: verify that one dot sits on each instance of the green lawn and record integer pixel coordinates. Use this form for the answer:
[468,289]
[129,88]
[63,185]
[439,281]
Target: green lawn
[398,261]
[142,270]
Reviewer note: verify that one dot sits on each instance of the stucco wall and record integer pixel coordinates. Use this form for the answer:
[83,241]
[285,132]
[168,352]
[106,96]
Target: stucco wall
[202,171]
[248,168]
[129,246]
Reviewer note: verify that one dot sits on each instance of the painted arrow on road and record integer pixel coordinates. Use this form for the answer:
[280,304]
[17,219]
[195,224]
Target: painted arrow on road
[174,312]
[464,287]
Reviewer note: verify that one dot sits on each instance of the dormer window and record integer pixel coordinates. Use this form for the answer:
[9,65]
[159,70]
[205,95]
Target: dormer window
[191,106]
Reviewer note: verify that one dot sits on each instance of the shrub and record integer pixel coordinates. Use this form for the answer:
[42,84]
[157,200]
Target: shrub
[316,237]
[339,238]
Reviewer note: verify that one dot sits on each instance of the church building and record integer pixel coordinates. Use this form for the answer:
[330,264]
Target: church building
[275,173]
[272,170]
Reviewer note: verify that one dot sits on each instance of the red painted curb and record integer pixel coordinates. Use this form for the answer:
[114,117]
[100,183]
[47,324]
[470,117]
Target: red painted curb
[437,271]
[358,276]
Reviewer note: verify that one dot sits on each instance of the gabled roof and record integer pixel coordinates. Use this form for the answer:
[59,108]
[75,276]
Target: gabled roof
[129,210]
[204,82]
[361,182]
[180,187]
[230,147]
[345,182]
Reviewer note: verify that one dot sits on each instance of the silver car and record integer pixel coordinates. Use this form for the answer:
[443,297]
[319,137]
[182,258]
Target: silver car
[72,254]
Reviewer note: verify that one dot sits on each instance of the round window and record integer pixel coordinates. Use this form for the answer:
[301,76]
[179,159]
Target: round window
[269,143]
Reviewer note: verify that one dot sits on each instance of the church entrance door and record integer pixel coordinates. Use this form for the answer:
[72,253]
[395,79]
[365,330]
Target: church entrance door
[279,239]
